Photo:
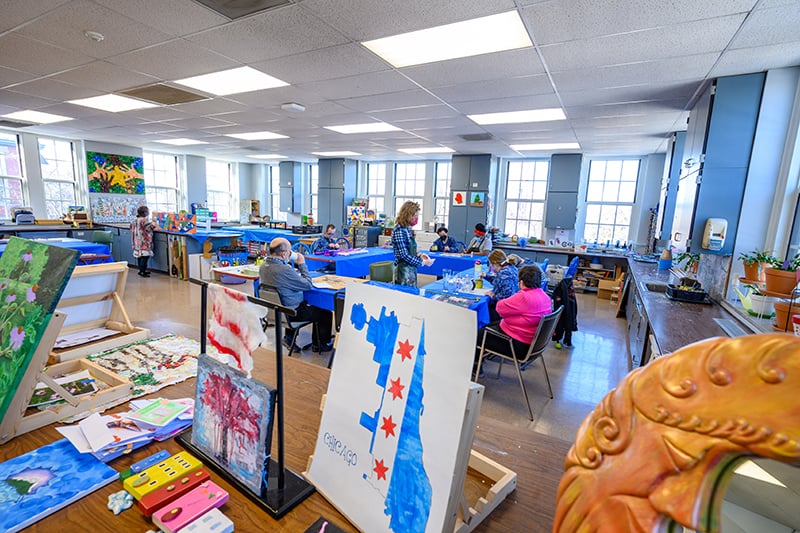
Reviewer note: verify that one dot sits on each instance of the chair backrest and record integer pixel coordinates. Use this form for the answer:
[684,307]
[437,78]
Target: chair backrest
[382,271]
[543,334]
[572,269]
[338,309]
[105,237]
[271,295]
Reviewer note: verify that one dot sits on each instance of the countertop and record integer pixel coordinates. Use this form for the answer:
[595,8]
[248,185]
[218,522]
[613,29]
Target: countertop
[599,252]
[674,324]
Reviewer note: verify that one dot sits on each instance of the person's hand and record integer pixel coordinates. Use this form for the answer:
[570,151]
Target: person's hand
[300,259]
[446,248]
[490,294]
[335,246]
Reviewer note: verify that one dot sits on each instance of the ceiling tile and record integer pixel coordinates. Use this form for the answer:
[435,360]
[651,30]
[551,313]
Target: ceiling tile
[16,12]
[636,93]
[362,85]
[430,113]
[498,88]
[54,90]
[389,101]
[64,27]
[104,77]
[176,59]
[30,55]
[212,106]
[323,64]
[10,76]
[542,101]
[758,59]
[22,101]
[499,65]
[176,17]
[769,26]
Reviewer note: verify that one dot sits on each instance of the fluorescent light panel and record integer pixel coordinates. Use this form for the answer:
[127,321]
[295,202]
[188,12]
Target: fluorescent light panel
[545,146]
[518,117]
[181,142]
[257,136]
[112,102]
[37,117]
[233,81]
[267,156]
[431,150]
[372,127]
[335,154]
[484,35]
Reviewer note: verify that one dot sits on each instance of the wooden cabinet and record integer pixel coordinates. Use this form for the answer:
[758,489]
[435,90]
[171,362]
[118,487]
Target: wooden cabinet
[637,327]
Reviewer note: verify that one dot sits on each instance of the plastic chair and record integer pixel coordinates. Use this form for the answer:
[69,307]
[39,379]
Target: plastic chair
[535,351]
[301,248]
[271,295]
[382,271]
[103,237]
[572,269]
[338,313]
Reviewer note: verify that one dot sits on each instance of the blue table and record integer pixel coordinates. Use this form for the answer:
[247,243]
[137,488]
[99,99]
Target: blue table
[84,247]
[454,262]
[257,233]
[351,265]
[203,236]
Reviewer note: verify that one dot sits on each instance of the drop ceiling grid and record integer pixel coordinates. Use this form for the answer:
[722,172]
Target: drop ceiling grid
[339,61]
[769,26]
[10,76]
[413,98]
[175,17]
[758,59]
[16,12]
[496,88]
[174,60]
[517,103]
[641,92]
[370,84]
[29,55]
[104,76]
[54,90]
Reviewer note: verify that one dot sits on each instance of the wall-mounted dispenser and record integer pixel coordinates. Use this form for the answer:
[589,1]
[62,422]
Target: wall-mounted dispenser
[714,234]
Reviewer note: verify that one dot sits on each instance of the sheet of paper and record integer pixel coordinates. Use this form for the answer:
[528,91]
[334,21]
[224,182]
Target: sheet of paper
[75,435]
[322,285]
[83,337]
[96,432]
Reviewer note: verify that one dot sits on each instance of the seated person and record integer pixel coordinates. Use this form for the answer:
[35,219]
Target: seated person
[255,218]
[276,272]
[325,241]
[481,244]
[504,277]
[519,314]
[444,243]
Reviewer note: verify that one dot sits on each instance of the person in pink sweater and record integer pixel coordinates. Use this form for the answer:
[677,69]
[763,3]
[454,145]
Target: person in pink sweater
[520,313]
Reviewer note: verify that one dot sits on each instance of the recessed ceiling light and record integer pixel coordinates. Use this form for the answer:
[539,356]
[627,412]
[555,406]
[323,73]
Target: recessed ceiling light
[267,156]
[432,150]
[112,102]
[36,117]
[484,35]
[343,153]
[233,81]
[257,135]
[545,146]
[372,127]
[181,142]
[517,117]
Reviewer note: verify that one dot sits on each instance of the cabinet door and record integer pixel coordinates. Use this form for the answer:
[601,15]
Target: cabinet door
[561,210]
[123,247]
[480,168]
[287,199]
[160,259]
[459,177]
[565,172]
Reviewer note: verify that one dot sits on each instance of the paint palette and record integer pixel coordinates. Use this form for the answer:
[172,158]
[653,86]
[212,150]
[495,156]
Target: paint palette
[154,477]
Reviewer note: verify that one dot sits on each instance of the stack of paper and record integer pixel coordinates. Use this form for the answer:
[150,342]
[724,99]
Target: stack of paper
[77,384]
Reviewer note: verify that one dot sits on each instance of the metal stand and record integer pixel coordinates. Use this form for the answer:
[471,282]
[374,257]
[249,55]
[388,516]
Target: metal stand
[285,489]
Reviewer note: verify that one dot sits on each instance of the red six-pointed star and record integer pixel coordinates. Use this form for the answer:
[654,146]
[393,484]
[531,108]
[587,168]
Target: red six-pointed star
[405,350]
[380,469]
[396,389]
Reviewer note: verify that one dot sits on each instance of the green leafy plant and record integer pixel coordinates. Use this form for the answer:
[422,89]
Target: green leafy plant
[688,259]
[789,265]
[748,258]
[765,257]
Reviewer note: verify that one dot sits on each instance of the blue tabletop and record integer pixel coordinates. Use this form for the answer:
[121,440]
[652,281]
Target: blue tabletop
[257,233]
[202,236]
[83,247]
[351,265]
[455,262]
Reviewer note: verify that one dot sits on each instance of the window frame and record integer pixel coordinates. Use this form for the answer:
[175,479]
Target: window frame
[152,187]
[606,204]
[6,198]
[232,192]
[441,195]
[399,198]
[73,182]
[537,201]
[377,195]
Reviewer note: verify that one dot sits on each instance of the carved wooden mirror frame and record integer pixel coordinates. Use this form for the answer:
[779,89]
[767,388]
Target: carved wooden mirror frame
[661,446]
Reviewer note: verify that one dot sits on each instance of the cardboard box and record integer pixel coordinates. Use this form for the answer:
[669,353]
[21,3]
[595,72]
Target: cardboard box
[606,287]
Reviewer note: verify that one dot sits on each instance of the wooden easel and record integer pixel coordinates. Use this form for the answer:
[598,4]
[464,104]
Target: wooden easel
[93,299]
[16,422]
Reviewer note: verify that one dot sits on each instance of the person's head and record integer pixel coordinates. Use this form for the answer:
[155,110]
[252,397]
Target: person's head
[530,276]
[330,231]
[497,259]
[442,232]
[280,248]
[408,214]
[142,211]
[480,230]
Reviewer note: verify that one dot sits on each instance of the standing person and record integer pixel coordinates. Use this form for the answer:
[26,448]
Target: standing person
[406,258]
[444,243]
[504,277]
[481,244]
[142,239]
[326,241]
[277,273]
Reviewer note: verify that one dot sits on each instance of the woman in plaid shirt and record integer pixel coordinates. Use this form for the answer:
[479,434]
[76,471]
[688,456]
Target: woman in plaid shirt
[406,258]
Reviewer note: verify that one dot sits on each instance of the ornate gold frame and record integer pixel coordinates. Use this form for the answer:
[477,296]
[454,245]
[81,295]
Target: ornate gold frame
[661,446]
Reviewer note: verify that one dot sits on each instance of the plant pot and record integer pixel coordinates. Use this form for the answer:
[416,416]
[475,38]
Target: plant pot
[780,281]
[762,306]
[762,271]
[751,271]
[782,314]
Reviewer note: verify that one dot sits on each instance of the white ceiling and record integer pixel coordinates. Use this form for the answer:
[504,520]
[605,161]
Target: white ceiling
[625,71]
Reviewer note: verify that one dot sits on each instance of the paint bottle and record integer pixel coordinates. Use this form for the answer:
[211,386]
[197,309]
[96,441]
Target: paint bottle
[477,275]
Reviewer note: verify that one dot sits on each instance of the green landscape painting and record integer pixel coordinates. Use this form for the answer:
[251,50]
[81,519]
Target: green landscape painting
[32,277]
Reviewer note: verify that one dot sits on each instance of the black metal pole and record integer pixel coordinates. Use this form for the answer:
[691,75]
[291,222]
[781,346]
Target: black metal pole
[279,399]
[203,316]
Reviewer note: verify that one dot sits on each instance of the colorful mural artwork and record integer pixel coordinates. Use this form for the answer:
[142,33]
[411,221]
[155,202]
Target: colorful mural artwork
[115,174]
[115,207]
[175,222]
[32,277]
[233,418]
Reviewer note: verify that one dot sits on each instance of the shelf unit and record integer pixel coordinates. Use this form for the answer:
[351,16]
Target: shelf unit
[592,276]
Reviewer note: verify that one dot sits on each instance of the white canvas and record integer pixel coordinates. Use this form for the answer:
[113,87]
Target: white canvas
[397,478]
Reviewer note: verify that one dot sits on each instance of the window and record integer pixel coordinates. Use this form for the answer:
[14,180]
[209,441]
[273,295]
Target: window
[609,200]
[376,186]
[57,161]
[161,182]
[10,175]
[525,194]
[275,191]
[313,173]
[222,190]
[409,184]
[442,192]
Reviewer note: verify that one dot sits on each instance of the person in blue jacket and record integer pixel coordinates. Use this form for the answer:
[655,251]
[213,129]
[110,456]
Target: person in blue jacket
[444,243]
[326,241]
[503,275]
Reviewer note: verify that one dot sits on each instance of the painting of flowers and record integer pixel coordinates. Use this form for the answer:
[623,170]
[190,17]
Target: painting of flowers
[116,174]
[32,277]
[233,418]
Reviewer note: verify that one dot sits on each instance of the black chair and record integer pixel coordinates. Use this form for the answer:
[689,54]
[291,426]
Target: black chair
[271,295]
[382,271]
[338,313]
[535,351]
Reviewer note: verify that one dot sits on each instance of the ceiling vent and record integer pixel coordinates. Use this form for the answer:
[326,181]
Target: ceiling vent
[234,9]
[477,137]
[158,93]
[14,124]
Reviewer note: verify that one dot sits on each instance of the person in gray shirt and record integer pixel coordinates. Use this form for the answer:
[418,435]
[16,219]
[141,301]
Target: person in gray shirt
[276,272]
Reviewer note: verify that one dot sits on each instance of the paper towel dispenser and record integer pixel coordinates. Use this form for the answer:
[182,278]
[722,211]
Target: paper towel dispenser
[714,234]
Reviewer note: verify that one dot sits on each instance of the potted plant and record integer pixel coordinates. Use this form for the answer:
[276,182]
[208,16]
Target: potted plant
[690,261]
[781,278]
[765,260]
[751,266]
[760,304]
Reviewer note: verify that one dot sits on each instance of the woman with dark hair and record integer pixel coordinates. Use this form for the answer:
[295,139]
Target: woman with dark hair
[520,314]
[142,238]
[504,277]
[406,258]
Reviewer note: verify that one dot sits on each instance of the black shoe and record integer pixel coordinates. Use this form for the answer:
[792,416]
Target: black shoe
[143,274]
[327,347]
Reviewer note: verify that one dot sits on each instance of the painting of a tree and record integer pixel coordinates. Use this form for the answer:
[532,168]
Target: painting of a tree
[233,420]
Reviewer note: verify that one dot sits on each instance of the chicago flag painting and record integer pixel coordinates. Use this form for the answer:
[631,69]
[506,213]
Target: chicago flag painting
[386,449]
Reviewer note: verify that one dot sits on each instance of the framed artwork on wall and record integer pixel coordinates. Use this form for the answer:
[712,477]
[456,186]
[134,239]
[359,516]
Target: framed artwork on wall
[459,198]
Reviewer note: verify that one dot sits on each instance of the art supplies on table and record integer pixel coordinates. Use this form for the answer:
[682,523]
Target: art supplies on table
[454,299]
[152,502]
[42,481]
[145,463]
[213,521]
[158,475]
[159,412]
[190,507]
[77,384]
